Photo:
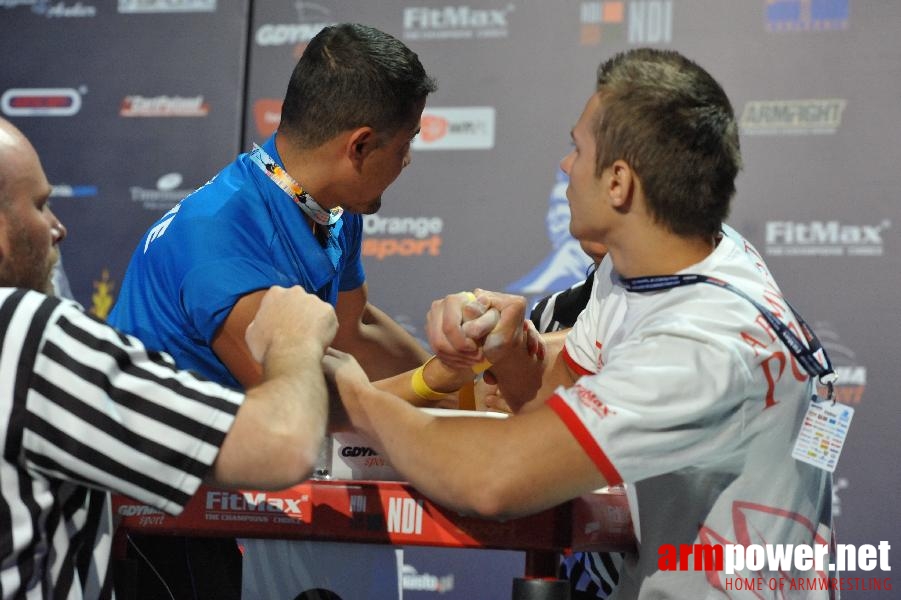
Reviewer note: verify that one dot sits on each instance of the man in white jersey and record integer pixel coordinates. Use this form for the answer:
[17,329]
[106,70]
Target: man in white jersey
[85,410]
[680,389]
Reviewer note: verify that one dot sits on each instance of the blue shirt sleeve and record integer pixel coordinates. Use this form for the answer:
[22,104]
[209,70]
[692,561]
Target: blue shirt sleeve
[353,275]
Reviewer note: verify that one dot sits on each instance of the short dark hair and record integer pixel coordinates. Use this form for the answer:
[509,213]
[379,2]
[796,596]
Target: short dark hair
[350,76]
[673,123]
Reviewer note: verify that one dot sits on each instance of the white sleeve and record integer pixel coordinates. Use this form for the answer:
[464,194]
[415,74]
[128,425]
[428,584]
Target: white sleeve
[671,399]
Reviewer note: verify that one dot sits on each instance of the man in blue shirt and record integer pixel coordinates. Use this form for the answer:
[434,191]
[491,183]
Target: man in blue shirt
[289,213]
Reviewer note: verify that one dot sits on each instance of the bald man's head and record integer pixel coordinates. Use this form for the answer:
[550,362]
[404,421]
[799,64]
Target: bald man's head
[29,231]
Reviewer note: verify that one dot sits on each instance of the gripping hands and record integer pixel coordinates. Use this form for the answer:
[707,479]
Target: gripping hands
[472,329]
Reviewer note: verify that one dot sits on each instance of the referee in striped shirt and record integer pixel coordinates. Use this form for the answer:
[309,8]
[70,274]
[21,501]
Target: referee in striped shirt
[85,410]
[591,575]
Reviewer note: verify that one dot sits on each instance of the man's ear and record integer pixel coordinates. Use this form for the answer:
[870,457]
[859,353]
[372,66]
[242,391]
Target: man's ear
[359,144]
[622,184]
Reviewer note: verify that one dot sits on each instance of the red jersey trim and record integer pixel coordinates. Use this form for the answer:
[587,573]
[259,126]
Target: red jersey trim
[572,364]
[582,435]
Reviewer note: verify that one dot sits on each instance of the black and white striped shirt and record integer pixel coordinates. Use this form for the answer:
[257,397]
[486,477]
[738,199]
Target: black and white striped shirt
[591,574]
[84,411]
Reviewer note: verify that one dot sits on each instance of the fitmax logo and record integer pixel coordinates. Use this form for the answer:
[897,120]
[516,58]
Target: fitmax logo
[455,22]
[452,16]
[824,238]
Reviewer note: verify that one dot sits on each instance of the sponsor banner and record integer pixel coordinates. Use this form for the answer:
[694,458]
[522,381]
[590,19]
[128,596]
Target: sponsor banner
[166,193]
[639,22]
[40,102]
[64,190]
[458,128]
[401,236]
[257,507]
[824,238]
[456,22]
[311,19]
[788,117]
[64,10]
[53,9]
[267,114]
[166,6]
[384,512]
[413,580]
[806,15]
[164,106]
[352,457]
[287,33]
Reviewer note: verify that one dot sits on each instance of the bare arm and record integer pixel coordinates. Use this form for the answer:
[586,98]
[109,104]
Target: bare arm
[381,346]
[231,348]
[275,438]
[556,372]
[533,461]
[229,343]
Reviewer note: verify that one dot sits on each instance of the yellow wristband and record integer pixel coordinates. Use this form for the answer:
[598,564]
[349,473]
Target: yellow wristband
[481,367]
[466,397]
[421,388]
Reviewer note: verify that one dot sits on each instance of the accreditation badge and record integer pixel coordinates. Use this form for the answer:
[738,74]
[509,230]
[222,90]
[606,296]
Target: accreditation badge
[823,433]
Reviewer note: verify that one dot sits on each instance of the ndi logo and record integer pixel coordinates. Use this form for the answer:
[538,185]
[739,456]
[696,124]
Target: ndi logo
[824,238]
[647,22]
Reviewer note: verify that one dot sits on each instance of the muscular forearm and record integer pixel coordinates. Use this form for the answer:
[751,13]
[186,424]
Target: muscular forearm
[381,346]
[436,376]
[553,373]
[494,468]
[275,439]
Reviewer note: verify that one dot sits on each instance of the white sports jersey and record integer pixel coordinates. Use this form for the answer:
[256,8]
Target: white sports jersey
[689,396]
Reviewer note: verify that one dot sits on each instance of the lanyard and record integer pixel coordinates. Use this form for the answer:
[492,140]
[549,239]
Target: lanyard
[288,185]
[804,354]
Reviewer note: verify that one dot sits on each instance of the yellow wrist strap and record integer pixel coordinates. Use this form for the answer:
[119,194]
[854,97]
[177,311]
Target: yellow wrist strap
[467,396]
[421,388]
[481,367]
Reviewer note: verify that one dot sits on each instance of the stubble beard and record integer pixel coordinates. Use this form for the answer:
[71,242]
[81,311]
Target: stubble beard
[32,269]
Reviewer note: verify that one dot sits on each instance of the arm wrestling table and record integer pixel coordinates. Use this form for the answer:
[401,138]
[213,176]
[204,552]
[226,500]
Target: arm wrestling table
[388,512]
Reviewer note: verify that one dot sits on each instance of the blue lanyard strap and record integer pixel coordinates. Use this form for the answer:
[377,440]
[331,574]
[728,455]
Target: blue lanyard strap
[806,355]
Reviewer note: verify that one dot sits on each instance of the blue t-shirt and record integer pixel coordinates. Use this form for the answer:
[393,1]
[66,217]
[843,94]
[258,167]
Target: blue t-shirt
[237,234]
